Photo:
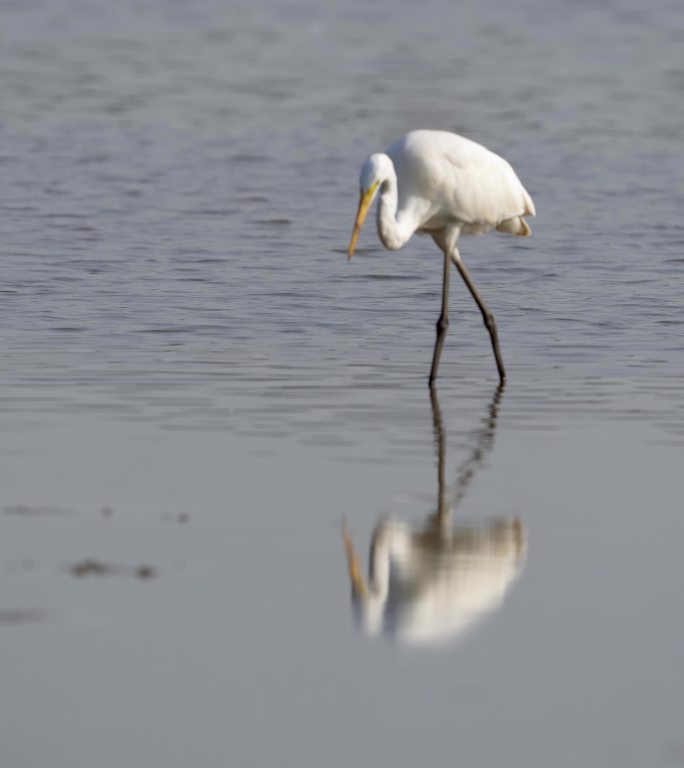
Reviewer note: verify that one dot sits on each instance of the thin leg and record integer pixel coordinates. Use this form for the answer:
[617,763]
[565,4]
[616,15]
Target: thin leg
[443,322]
[442,507]
[487,316]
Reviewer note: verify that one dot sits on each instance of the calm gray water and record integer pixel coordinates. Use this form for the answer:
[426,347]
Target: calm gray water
[198,388]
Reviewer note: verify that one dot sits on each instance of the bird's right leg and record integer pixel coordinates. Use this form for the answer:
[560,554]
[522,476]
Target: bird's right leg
[487,316]
[443,322]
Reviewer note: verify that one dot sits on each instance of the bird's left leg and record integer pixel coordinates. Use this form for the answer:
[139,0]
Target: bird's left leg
[487,316]
[443,322]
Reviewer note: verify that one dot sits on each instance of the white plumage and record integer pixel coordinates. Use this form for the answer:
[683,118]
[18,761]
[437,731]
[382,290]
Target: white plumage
[429,583]
[428,586]
[445,185]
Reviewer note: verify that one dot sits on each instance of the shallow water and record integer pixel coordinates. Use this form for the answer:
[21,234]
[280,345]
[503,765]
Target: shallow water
[199,389]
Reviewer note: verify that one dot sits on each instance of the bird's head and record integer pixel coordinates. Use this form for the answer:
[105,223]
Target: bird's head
[373,173]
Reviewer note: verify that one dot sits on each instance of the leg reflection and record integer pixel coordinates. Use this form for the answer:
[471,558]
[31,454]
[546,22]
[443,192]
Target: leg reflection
[429,583]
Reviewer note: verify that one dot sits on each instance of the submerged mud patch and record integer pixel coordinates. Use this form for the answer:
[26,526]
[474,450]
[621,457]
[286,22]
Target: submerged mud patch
[92,567]
[9,616]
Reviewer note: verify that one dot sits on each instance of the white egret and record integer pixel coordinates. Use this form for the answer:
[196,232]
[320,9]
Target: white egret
[429,584]
[444,185]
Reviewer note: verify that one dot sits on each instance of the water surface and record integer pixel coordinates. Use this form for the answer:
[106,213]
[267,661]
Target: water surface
[198,388]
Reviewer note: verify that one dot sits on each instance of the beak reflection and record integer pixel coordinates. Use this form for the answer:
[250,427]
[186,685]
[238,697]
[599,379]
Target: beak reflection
[428,584]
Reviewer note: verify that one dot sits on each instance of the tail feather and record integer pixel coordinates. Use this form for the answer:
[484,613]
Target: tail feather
[529,205]
[515,226]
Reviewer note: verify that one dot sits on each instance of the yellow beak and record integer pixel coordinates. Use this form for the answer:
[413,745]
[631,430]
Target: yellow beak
[365,200]
[358,583]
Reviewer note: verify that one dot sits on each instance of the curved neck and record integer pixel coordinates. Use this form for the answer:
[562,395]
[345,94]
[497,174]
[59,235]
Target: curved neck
[392,231]
[387,543]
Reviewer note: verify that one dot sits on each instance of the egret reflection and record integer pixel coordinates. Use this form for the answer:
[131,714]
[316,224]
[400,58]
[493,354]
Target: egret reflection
[427,584]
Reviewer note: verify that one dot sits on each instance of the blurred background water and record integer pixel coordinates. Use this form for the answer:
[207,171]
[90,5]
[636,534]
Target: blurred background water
[198,387]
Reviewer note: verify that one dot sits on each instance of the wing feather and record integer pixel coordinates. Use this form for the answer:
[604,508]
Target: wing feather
[446,178]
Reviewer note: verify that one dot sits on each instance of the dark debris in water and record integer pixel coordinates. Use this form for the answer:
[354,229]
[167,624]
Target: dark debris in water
[92,567]
[106,512]
[86,567]
[27,510]
[181,517]
[20,616]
